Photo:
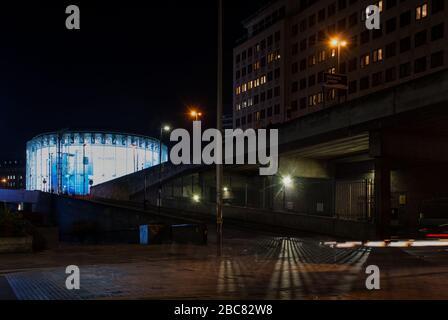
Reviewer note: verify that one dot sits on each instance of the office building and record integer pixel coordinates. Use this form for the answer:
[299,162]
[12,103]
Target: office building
[280,66]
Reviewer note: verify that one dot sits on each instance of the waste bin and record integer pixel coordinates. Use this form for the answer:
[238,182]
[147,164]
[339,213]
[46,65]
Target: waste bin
[152,234]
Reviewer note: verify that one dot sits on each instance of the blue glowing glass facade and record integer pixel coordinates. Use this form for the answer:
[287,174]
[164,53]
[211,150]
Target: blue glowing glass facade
[72,162]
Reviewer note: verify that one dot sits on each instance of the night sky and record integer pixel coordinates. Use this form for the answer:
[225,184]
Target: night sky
[131,66]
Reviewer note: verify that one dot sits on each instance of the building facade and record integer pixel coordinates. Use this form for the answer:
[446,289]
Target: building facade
[227,121]
[12,174]
[280,67]
[72,162]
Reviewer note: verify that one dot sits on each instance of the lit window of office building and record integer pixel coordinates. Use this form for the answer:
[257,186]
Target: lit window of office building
[12,174]
[289,41]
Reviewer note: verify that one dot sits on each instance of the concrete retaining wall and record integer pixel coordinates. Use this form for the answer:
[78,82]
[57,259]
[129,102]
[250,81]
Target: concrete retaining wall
[16,245]
[40,201]
[302,222]
[94,221]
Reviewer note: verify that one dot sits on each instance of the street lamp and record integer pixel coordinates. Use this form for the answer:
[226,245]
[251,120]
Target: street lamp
[338,43]
[287,183]
[195,114]
[163,129]
[196,198]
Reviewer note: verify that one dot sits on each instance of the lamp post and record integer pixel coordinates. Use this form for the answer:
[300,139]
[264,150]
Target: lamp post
[287,183]
[219,166]
[84,169]
[50,174]
[163,129]
[4,181]
[338,44]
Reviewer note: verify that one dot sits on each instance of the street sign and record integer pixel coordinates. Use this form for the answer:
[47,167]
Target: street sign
[336,81]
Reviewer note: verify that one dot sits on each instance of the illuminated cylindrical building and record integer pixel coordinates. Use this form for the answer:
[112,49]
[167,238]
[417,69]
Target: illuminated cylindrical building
[70,162]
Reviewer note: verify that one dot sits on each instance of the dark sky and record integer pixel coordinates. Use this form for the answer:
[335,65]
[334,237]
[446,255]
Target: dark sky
[133,65]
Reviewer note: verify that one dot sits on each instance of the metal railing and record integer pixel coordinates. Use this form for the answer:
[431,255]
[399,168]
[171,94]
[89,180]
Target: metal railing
[354,200]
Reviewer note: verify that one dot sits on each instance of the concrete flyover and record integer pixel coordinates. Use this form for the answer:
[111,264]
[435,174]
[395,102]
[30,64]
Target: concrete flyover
[351,162]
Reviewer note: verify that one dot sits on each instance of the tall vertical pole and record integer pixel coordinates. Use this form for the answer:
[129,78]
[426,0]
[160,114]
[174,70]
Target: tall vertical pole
[159,187]
[284,197]
[59,162]
[382,197]
[134,148]
[338,68]
[84,169]
[219,166]
[49,172]
[144,193]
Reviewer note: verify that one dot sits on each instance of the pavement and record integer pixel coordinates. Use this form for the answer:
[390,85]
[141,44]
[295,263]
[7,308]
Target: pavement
[255,265]
[6,292]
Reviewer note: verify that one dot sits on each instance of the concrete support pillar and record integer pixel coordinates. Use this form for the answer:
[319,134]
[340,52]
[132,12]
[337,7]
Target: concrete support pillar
[246,187]
[182,186]
[263,194]
[382,197]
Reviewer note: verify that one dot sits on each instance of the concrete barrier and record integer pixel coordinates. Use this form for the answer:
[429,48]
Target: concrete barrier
[98,222]
[291,220]
[154,234]
[16,245]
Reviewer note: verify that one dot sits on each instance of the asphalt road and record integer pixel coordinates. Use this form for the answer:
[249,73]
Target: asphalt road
[255,265]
